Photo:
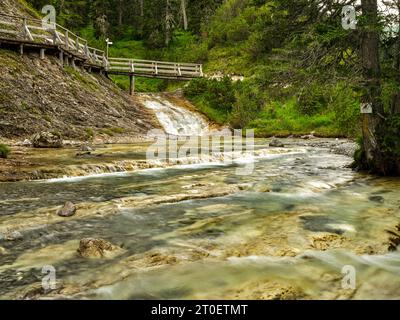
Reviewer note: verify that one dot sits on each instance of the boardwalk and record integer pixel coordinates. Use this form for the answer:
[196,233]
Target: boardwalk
[27,33]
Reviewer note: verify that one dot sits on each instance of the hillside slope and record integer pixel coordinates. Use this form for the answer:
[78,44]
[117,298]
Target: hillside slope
[37,95]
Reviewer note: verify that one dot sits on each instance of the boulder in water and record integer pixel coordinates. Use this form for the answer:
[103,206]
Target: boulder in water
[276,143]
[97,248]
[11,236]
[47,140]
[308,137]
[68,210]
[86,148]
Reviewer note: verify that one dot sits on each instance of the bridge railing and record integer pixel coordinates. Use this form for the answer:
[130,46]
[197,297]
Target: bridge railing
[35,31]
[162,68]
[30,30]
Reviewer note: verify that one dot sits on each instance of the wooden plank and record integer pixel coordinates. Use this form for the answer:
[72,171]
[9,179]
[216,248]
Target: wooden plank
[9,31]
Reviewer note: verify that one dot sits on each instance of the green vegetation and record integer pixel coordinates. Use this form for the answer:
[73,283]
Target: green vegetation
[112,131]
[4,151]
[86,81]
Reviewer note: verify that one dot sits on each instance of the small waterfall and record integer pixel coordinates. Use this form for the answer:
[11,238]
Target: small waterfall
[176,120]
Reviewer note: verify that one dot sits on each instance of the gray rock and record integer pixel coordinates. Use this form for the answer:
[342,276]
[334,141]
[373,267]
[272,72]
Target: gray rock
[47,140]
[378,199]
[85,148]
[26,143]
[276,143]
[308,137]
[68,210]
[11,236]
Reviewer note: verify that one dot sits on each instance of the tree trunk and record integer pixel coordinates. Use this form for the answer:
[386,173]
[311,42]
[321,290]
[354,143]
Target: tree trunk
[184,14]
[120,12]
[373,158]
[168,23]
[372,73]
[395,108]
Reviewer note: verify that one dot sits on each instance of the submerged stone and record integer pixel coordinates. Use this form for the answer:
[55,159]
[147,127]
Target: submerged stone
[68,210]
[97,248]
[276,143]
[11,236]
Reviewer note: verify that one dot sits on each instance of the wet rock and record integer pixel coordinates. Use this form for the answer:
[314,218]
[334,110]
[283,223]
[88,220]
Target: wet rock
[26,143]
[321,224]
[276,143]
[86,148]
[97,248]
[378,199]
[11,236]
[68,210]
[84,155]
[327,241]
[263,189]
[308,137]
[47,140]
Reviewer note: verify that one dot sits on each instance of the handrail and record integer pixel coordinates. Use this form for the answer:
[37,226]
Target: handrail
[32,30]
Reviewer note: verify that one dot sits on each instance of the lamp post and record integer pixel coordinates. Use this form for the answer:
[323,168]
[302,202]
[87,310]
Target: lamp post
[109,43]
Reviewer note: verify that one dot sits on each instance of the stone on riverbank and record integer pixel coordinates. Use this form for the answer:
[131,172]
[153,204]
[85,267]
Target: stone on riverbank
[47,140]
[275,143]
[68,210]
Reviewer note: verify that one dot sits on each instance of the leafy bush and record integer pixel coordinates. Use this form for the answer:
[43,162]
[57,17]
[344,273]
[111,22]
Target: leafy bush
[389,133]
[219,94]
[247,107]
[4,151]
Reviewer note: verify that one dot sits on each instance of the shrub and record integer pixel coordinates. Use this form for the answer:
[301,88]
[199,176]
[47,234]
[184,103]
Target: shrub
[4,151]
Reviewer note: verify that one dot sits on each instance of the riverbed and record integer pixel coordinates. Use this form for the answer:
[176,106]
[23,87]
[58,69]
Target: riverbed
[200,231]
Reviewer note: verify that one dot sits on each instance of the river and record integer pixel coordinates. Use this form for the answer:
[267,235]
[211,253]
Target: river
[288,230]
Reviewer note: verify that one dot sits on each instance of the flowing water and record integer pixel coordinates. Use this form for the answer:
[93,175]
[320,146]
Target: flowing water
[287,231]
[175,119]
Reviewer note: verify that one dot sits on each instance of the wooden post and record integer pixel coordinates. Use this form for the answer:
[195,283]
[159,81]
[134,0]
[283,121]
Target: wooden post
[132,85]
[73,63]
[66,40]
[42,52]
[61,56]
[21,49]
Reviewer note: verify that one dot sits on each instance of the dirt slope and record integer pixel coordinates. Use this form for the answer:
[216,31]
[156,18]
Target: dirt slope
[37,95]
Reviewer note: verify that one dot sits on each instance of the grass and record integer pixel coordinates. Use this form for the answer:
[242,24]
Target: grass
[214,115]
[85,81]
[4,151]
[286,120]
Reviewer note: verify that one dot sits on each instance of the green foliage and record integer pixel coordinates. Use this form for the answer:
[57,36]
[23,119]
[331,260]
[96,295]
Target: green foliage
[4,151]
[388,135]
[219,94]
[86,81]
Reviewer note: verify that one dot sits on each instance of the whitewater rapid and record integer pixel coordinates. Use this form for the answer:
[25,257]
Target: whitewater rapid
[176,120]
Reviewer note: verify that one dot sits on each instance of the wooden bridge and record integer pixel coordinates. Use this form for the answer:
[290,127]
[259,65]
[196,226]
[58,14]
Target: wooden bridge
[32,34]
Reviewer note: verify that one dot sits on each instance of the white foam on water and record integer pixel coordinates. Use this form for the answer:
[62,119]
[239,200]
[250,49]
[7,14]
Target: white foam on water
[176,120]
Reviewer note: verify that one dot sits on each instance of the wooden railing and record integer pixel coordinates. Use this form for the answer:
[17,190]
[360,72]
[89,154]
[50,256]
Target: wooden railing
[29,30]
[35,31]
[161,68]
